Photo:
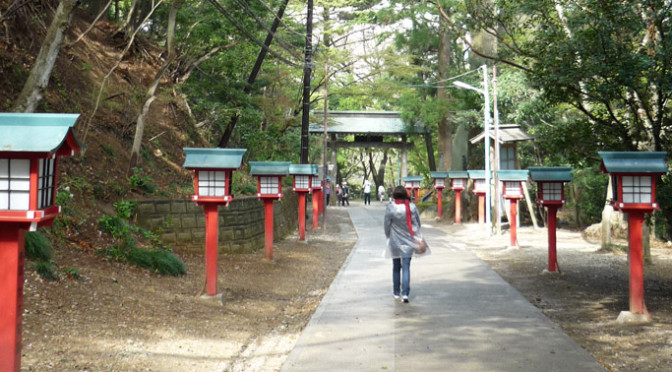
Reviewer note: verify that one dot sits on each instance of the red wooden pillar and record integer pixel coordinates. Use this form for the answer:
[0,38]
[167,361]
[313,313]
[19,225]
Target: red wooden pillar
[458,206]
[481,210]
[302,216]
[268,225]
[320,200]
[552,253]
[211,243]
[415,194]
[439,202]
[316,210]
[514,228]
[11,293]
[636,220]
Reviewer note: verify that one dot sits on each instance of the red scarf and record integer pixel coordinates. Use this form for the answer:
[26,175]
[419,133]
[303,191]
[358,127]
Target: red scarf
[408,214]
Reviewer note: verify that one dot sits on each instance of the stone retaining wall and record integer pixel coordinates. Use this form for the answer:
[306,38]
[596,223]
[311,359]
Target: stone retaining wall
[181,223]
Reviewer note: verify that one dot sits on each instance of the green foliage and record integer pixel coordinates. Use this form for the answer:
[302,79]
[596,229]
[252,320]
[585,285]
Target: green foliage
[72,273]
[45,269]
[664,215]
[614,248]
[141,182]
[586,195]
[157,257]
[38,251]
[38,247]
[125,208]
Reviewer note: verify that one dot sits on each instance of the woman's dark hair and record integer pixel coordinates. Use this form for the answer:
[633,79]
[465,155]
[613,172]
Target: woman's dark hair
[400,193]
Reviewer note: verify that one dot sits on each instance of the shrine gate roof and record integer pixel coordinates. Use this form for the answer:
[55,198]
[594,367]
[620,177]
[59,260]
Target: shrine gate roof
[363,122]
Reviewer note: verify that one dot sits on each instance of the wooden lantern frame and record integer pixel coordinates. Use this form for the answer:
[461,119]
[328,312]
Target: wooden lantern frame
[439,179]
[551,195]
[31,146]
[458,180]
[478,178]
[551,184]
[624,167]
[213,171]
[512,183]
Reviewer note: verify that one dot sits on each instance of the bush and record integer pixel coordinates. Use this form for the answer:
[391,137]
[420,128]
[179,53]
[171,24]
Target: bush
[37,246]
[45,269]
[157,258]
[162,261]
[142,182]
[585,195]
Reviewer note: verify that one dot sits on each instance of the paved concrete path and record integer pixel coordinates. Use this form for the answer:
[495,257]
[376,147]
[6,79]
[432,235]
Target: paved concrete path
[461,317]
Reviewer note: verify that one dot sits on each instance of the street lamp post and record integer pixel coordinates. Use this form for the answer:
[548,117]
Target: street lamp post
[486,138]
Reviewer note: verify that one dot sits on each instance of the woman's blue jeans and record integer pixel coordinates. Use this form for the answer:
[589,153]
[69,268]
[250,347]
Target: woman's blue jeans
[401,276]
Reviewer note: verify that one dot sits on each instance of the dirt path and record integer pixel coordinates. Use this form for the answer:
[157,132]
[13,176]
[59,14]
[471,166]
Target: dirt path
[119,318]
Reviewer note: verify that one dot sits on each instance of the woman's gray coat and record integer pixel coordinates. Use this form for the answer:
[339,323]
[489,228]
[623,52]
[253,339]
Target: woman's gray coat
[400,242]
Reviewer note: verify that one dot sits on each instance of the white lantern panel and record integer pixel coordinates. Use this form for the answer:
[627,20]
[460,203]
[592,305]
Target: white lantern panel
[636,189]
[15,184]
[480,185]
[301,182]
[552,190]
[45,183]
[416,184]
[408,184]
[269,185]
[459,183]
[211,183]
[439,182]
[511,188]
[316,181]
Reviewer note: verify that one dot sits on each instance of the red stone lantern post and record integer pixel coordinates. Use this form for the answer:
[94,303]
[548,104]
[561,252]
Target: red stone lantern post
[318,202]
[513,191]
[633,176]
[458,182]
[213,170]
[551,195]
[302,186]
[269,188]
[30,148]
[412,185]
[480,189]
[439,184]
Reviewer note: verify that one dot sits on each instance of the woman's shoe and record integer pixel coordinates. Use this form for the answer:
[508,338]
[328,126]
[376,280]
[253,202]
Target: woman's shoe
[404,299]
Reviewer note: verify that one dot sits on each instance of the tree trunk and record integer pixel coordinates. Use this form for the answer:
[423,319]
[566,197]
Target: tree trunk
[445,143]
[140,123]
[129,17]
[307,73]
[170,32]
[226,136]
[109,73]
[37,82]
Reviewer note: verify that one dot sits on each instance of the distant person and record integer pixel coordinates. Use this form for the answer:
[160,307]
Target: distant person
[328,191]
[345,191]
[381,192]
[389,193]
[402,229]
[339,195]
[367,192]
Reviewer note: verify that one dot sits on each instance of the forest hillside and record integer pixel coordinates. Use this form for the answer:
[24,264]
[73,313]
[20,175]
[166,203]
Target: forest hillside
[93,181]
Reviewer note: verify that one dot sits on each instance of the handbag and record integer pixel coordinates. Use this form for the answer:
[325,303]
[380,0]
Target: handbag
[420,246]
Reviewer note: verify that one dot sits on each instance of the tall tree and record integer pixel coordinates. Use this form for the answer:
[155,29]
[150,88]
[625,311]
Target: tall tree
[33,89]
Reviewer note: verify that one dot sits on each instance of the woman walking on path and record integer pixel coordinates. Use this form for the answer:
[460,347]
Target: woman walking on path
[402,229]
